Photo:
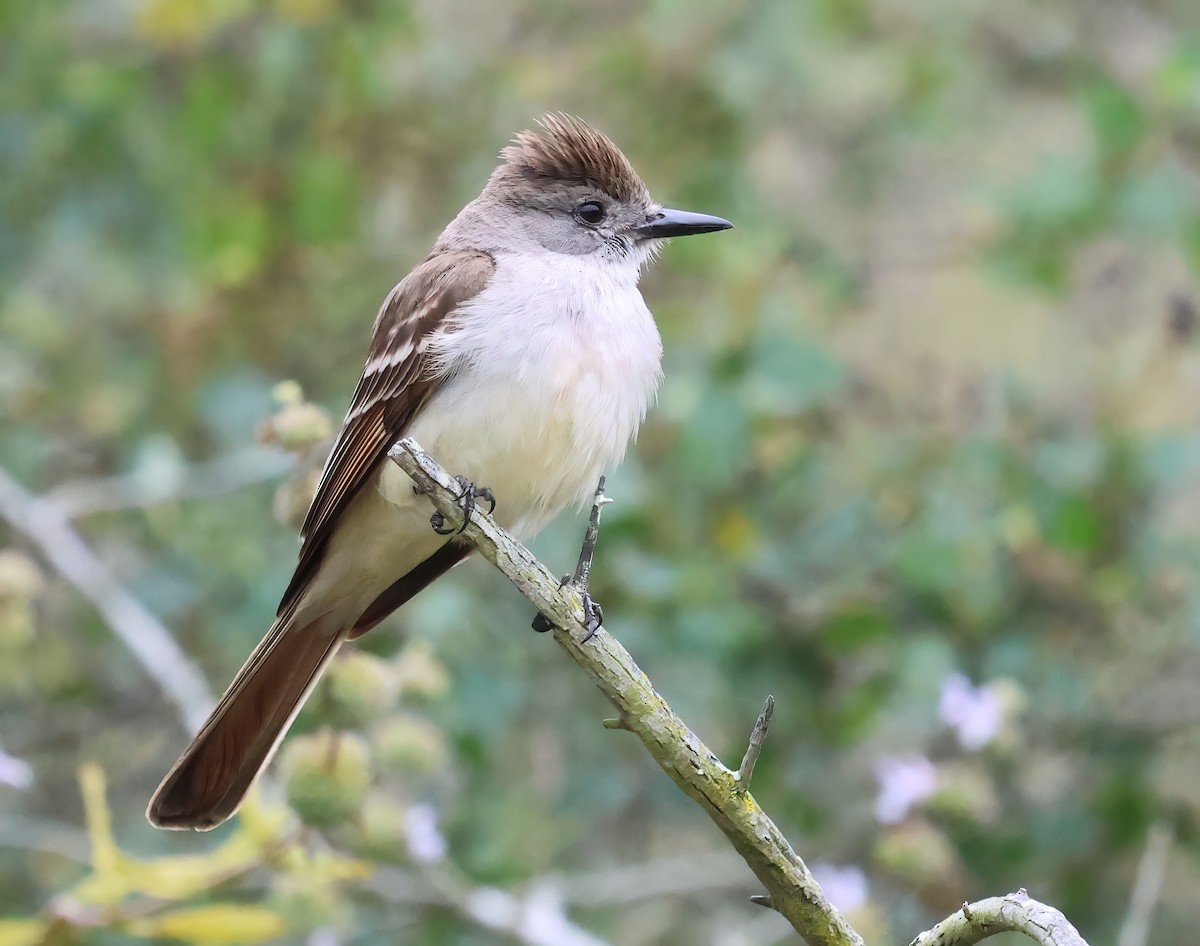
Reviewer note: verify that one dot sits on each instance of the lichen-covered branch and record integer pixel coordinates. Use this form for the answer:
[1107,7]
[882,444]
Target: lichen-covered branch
[721,792]
[689,763]
[1015,913]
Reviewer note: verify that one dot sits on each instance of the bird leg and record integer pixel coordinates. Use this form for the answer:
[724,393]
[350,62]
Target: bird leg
[466,500]
[593,614]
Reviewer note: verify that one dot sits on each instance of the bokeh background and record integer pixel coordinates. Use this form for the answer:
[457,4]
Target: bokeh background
[926,465]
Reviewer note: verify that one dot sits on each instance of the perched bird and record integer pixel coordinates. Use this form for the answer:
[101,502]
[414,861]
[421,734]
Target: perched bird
[521,355]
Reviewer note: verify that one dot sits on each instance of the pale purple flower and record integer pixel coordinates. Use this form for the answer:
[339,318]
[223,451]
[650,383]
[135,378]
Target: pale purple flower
[846,887]
[903,783]
[538,919]
[15,772]
[974,713]
[426,845]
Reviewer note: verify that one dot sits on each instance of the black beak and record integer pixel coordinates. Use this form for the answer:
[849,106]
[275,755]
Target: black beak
[673,223]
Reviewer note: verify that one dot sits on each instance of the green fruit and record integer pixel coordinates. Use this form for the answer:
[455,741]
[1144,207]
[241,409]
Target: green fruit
[409,744]
[361,689]
[328,774]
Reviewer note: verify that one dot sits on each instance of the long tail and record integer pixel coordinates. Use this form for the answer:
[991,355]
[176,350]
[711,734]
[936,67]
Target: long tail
[211,778]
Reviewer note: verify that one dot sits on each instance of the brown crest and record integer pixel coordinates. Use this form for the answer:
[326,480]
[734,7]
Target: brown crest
[568,150]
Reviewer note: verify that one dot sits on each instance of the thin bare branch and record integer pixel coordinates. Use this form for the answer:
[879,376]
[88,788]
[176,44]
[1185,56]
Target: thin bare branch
[1152,872]
[1015,913]
[535,918]
[653,879]
[217,477]
[681,754]
[150,643]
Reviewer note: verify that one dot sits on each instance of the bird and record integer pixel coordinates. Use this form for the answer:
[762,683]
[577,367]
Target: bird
[521,355]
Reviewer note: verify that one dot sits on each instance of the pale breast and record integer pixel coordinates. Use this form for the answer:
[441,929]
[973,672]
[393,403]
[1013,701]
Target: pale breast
[553,367]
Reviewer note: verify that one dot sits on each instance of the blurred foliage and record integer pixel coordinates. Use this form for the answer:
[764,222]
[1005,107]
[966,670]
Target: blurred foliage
[926,465]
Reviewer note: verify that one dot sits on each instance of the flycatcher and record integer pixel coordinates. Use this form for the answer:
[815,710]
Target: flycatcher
[522,356]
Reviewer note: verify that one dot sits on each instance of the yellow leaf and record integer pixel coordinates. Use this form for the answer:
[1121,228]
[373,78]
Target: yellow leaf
[186,22]
[735,533]
[305,12]
[22,932]
[180,878]
[327,868]
[106,856]
[117,875]
[262,824]
[106,885]
[232,923]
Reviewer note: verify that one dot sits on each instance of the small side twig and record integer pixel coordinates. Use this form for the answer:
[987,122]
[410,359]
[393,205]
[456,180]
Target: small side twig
[758,736]
[1015,913]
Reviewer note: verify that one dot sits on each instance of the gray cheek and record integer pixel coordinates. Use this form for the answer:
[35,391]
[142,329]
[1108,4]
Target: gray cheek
[573,241]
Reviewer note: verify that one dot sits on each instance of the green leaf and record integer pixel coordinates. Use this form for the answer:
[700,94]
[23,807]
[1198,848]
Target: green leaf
[325,201]
[792,374]
[852,630]
[1076,525]
[1116,118]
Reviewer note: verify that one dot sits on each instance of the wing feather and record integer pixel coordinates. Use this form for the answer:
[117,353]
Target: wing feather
[395,384]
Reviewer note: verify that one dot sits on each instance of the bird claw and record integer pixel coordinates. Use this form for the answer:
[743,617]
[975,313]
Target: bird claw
[593,614]
[467,500]
[593,617]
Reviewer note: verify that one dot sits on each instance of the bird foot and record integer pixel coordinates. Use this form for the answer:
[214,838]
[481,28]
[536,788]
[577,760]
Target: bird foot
[467,500]
[593,614]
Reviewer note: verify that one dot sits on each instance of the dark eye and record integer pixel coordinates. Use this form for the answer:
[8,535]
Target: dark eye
[590,212]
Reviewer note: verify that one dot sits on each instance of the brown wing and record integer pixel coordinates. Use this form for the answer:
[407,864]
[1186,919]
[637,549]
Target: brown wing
[394,385]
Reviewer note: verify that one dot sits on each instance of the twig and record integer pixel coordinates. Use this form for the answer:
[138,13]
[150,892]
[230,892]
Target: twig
[758,735]
[226,474]
[652,880]
[681,754]
[141,632]
[607,886]
[536,918]
[1015,913]
[1152,871]
[46,837]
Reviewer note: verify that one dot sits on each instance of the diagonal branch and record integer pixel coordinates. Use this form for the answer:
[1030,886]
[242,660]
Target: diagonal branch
[689,763]
[47,526]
